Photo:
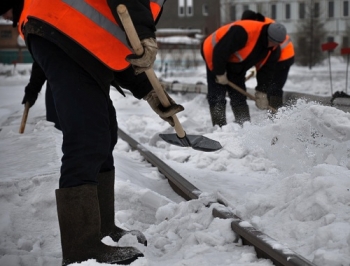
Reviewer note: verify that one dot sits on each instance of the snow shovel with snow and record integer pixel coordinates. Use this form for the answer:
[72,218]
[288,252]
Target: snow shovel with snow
[197,142]
[24,118]
[252,97]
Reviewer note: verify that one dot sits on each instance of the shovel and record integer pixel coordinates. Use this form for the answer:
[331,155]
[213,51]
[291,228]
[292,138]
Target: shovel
[197,142]
[24,118]
[252,97]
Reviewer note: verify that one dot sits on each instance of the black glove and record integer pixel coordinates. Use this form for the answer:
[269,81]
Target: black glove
[30,97]
[164,112]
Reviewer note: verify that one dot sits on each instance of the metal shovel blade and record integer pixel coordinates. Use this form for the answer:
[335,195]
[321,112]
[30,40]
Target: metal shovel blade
[197,142]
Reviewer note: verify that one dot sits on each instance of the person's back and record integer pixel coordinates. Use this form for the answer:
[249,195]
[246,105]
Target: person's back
[229,52]
[280,72]
[82,50]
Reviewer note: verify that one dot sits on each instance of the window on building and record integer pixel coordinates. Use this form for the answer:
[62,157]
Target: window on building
[233,13]
[302,10]
[330,9]
[205,10]
[5,34]
[189,8]
[287,11]
[273,11]
[181,8]
[245,7]
[316,10]
[345,8]
[259,8]
[345,42]
[330,39]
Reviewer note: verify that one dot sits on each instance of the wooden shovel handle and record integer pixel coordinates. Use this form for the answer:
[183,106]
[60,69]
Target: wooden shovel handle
[138,49]
[251,74]
[24,118]
[250,96]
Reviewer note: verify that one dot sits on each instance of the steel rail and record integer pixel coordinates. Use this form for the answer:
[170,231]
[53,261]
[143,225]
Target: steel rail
[265,246]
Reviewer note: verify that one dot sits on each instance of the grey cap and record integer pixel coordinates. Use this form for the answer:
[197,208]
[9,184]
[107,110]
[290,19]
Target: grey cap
[277,32]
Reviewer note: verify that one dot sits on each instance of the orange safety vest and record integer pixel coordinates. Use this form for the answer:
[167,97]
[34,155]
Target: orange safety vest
[91,24]
[253,29]
[23,17]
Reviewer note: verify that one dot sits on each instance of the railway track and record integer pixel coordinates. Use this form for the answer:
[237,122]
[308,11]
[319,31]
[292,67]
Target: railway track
[288,96]
[265,246]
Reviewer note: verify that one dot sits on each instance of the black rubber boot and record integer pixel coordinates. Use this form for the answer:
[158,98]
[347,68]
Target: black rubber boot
[105,191]
[79,221]
[275,102]
[241,114]
[218,115]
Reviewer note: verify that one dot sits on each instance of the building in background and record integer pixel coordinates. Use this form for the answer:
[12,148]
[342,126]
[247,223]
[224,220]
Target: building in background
[208,15]
[335,15]
[203,15]
[196,19]
[12,46]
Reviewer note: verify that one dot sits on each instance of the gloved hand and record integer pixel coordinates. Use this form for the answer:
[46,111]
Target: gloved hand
[145,61]
[164,112]
[30,97]
[261,100]
[222,79]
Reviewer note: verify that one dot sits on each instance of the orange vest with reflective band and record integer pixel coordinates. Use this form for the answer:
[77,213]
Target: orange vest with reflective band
[253,29]
[287,48]
[91,24]
[23,17]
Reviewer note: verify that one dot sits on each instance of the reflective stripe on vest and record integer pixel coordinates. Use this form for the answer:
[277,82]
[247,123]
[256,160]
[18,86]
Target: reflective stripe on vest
[287,48]
[94,26]
[253,30]
[262,62]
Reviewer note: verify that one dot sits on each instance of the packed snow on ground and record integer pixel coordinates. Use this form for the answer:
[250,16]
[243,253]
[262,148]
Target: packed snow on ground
[287,176]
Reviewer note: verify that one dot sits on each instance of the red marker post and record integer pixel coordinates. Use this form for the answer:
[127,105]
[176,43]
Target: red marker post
[329,47]
[346,51]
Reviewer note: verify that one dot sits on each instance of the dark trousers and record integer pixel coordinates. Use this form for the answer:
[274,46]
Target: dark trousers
[279,78]
[217,92]
[86,115]
[51,113]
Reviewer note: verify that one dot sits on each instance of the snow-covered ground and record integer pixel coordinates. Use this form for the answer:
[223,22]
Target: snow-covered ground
[289,177]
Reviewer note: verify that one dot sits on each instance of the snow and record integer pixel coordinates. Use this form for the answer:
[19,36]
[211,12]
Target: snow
[288,177]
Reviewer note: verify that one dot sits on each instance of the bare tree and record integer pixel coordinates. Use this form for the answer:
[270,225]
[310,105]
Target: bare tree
[310,35]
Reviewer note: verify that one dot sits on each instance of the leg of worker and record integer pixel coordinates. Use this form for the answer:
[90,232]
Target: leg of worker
[275,92]
[238,101]
[217,100]
[51,113]
[82,108]
[105,189]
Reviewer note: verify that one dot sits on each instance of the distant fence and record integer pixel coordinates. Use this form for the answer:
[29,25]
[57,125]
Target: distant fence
[10,56]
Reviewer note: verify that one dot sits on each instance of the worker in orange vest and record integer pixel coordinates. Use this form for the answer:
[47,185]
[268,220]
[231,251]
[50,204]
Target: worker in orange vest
[229,53]
[286,60]
[82,49]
